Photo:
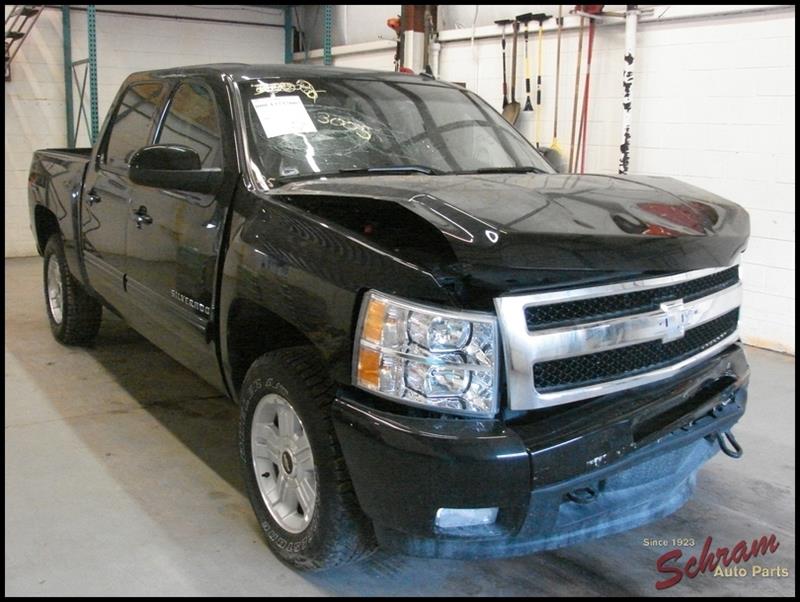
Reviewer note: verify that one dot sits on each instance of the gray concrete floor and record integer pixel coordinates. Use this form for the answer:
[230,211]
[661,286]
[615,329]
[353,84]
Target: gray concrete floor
[121,477]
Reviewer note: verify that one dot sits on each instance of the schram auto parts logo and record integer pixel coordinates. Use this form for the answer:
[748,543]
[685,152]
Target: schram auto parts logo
[723,562]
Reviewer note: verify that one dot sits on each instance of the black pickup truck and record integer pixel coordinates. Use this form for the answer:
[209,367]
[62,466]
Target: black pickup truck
[438,343]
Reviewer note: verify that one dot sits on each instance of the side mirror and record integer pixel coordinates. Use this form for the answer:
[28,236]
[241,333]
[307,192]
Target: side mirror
[173,167]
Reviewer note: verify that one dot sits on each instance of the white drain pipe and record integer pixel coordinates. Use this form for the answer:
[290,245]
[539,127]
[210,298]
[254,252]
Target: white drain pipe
[436,48]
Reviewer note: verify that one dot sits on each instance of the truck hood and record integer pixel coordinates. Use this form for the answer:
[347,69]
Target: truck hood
[521,223]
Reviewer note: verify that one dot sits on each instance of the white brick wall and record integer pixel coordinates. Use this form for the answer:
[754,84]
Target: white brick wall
[34,99]
[713,106]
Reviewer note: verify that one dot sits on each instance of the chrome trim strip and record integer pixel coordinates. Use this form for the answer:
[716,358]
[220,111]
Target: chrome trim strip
[522,349]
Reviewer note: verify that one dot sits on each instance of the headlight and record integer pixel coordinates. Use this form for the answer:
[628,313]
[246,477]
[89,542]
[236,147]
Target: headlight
[423,356]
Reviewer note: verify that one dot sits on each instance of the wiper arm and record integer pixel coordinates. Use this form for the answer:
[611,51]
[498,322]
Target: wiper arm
[387,169]
[361,171]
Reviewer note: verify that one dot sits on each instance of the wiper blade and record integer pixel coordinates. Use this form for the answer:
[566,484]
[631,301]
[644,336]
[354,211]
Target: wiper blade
[526,169]
[360,171]
[387,169]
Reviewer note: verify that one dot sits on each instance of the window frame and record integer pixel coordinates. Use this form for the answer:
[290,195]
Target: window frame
[159,126]
[102,154]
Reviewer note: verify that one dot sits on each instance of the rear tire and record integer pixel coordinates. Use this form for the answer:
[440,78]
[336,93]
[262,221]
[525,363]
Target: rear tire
[292,386]
[74,315]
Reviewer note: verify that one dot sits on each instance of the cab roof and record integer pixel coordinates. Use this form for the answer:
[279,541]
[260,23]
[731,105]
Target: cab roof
[242,72]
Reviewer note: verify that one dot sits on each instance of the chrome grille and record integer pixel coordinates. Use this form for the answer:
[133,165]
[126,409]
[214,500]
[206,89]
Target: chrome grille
[614,337]
[557,375]
[541,317]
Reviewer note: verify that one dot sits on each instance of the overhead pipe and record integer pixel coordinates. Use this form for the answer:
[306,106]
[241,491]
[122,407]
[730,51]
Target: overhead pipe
[131,13]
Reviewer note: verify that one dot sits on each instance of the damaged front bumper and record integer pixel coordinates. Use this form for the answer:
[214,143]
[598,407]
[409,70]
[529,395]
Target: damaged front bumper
[557,476]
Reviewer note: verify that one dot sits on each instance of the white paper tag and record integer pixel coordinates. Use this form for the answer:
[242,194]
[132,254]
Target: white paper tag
[280,115]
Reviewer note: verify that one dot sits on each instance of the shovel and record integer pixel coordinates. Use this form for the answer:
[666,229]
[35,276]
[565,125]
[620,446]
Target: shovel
[502,23]
[511,110]
[525,19]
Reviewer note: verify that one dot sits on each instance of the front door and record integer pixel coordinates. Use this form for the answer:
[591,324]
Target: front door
[107,191]
[173,238]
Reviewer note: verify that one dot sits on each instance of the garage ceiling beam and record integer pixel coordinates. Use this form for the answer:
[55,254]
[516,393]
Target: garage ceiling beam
[176,17]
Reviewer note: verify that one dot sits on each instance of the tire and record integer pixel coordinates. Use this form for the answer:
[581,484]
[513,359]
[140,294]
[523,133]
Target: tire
[335,531]
[75,319]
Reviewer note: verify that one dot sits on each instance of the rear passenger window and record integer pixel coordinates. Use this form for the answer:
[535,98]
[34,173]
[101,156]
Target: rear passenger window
[192,121]
[131,127]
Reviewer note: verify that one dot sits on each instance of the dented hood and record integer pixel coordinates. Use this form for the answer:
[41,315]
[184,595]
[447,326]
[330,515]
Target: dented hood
[533,221]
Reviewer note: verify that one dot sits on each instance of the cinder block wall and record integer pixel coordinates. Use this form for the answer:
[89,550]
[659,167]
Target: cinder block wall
[713,105]
[34,99]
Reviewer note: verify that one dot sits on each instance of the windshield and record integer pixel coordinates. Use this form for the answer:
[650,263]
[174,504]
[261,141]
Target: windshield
[298,128]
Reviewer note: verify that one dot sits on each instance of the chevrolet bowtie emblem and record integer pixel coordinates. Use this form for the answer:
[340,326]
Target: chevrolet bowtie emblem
[676,317]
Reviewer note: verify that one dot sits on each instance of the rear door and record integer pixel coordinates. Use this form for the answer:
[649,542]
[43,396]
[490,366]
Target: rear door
[108,190]
[171,256]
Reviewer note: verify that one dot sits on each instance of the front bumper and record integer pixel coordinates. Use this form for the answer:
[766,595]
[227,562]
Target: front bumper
[636,452]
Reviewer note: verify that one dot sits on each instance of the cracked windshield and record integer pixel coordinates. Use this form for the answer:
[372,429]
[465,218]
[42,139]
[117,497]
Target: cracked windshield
[330,127]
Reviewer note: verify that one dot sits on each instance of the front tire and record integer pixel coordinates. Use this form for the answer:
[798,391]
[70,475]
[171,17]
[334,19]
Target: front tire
[74,315]
[294,471]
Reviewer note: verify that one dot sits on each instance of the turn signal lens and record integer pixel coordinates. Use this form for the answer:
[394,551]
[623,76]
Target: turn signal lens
[369,364]
[373,321]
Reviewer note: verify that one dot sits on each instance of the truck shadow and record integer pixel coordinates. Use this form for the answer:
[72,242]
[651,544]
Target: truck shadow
[196,413]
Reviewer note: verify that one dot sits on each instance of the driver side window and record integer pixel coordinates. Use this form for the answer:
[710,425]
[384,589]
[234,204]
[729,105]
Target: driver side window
[193,120]
[131,127]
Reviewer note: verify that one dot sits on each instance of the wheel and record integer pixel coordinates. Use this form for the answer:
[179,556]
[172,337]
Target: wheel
[294,471]
[74,315]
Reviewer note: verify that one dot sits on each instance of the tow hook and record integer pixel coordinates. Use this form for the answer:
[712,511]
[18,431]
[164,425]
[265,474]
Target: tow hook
[736,452]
